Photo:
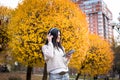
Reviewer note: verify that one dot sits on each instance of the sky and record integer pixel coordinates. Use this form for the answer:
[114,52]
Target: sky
[9,3]
[113,6]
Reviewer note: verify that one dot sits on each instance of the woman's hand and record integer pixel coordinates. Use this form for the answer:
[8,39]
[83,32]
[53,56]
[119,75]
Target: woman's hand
[69,56]
[49,37]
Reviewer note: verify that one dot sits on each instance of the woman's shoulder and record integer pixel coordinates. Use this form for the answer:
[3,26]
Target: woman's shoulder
[44,45]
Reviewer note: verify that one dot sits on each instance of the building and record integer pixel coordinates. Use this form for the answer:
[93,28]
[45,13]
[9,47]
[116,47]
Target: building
[98,16]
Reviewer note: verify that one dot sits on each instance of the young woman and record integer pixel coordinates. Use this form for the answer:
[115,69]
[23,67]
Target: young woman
[53,51]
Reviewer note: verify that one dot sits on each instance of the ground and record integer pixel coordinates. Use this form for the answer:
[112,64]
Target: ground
[19,76]
[22,76]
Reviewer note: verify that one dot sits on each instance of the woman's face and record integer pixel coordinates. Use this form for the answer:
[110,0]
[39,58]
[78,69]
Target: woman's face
[58,38]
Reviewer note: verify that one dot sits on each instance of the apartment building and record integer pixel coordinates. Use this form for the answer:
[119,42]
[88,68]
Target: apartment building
[98,17]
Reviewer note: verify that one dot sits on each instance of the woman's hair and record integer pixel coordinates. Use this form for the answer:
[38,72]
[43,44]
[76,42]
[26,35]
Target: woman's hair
[54,33]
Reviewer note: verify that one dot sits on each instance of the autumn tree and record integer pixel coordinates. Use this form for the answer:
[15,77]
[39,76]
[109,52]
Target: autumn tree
[5,14]
[99,58]
[30,23]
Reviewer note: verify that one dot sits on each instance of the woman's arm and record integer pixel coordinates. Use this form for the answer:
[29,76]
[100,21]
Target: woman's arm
[67,57]
[48,50]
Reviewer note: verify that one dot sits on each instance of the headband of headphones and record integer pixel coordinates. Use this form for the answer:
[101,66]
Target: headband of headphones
[52,30]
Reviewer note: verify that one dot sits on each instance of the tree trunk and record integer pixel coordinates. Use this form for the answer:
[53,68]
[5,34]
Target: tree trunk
[95,77]
[119,76]
[77,76]
[84,76]
[29,71]
[45,72]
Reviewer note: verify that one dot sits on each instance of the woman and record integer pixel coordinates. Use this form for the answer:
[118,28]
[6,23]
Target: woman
[53,51]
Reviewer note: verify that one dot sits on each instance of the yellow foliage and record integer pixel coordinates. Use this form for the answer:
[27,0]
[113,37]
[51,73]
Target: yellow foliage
[31,22]
[5,14]
[99,58]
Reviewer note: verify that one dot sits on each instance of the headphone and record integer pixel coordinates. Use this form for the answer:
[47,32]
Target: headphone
[52,30]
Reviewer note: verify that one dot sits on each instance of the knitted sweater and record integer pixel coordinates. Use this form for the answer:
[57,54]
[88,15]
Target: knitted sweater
[54,59]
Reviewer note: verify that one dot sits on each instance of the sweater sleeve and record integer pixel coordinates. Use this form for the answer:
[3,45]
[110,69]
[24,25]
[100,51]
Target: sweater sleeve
[48,51]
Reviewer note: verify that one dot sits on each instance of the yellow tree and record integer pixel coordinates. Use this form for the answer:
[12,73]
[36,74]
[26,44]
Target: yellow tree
[99,58]
[31,21]
[5,14]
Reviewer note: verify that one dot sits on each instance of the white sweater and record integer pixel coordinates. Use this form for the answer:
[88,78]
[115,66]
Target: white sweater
[54,59]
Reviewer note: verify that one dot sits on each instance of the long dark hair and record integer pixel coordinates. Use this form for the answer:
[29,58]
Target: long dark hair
[54,33]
